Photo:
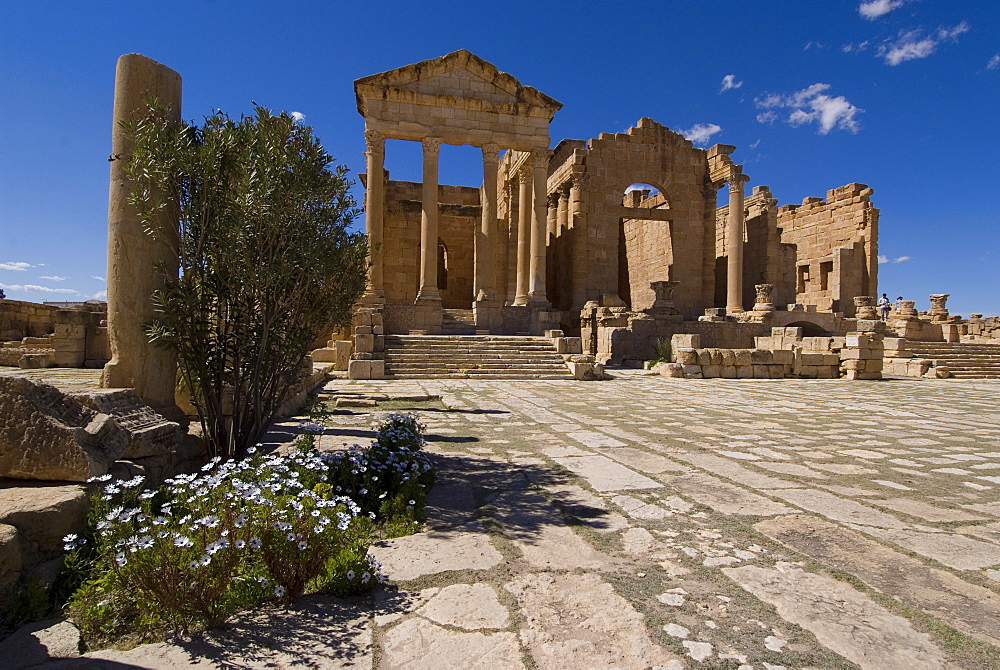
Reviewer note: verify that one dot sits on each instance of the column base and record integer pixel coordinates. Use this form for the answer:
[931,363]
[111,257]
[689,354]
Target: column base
[735,310]
[487,315]
[428,297]
[372,298]
[538,302]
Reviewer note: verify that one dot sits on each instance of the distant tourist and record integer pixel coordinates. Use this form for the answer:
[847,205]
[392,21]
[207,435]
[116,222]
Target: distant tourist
[884,306]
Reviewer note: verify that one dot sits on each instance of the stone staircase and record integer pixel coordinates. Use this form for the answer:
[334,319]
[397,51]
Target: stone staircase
[472,357]
[458,322]
[966,360]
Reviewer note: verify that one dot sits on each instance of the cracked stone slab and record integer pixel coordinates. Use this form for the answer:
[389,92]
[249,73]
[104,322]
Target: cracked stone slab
[724,497]
[926,511]
[971,609]
[418,644]
[578,621]
[412,556]
[955,551]
[591,510]
[735,471]
[839,509]
[643,461]
[468,606]
[606,475]
[843,619]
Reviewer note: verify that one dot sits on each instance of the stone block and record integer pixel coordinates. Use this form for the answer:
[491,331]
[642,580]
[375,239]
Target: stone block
[777,332]
[685,341]
[10,559]
[870,326]
[744,372]
[760,371]
[715,356]
[818,358]
[38,643]
[357,369]
[567,345]
[711,371]
[850,354]
[743,358]
[378,330]
[827,372]
[344,349]
[149,433]
[324,355]
[873,365]
[377,369]
[776,371]
[793,331]
[45,434]
[42,514]
[686,356]
[692,371]
[728,358]
[857,340]
[363,317]
[809,371]
[364,343]
[727,371]
[363,330]
[552,334]
[33,361]
[783,356]
[761,356]
[853,364]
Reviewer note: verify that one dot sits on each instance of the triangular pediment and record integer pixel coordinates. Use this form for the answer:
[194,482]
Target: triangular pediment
[459,74]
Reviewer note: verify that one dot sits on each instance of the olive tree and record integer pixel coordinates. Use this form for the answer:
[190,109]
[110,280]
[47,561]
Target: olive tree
[267,262]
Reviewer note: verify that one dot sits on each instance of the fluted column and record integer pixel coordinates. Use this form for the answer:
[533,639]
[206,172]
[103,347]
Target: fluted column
[562,211]
[429,223]
[523,235]
[486,271]
[539,178]
[734,234]
[577,222]
[374,211]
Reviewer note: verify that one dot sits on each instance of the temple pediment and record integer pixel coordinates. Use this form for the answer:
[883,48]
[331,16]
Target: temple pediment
[451,80]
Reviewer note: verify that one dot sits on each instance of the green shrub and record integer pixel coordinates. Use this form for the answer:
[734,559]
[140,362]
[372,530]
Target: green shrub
[206,545]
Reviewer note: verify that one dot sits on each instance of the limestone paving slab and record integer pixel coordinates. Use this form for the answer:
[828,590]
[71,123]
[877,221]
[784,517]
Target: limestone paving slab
[406,558]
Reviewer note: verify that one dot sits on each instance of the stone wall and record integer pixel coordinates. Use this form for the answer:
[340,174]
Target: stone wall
[836,243]
[645,251]
[459,215]
[25,319]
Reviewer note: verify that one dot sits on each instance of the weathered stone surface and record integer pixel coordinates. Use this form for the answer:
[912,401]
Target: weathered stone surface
[843,619]
[582,505]
[839,509]
[149,433]
[971,609]
[417,643]
[735,471]
[955,551]
[46,435]
[43,515]
[605,475]
[723,496]
[39,642]
[578,621]
[406,558]
[643,460]
[539,531]
[10,559]
[468,606]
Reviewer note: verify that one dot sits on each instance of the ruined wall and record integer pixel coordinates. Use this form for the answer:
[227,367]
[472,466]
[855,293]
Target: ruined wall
[836,244]
[645,252]
[647,154]
[20,319]
[459,215]
[764,260]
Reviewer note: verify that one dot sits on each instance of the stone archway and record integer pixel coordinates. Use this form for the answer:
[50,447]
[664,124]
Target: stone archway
[645,244]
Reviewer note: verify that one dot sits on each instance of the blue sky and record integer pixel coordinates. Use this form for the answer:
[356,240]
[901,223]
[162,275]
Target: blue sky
[901,95]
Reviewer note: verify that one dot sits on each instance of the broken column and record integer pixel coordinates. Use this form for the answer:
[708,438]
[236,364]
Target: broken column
[133,254]
[938,311]
[864,307]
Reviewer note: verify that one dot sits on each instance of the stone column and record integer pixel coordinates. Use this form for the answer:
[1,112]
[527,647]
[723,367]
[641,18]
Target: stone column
[864,307]
[552,215]
[374,213]
[429,224]
[536,279]
[734,235]
[132,253]
[523,235]
[577,222]
[486,271]
[938,311]
[562,211]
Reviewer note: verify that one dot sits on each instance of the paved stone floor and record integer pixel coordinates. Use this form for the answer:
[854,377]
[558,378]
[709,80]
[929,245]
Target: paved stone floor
[650,522]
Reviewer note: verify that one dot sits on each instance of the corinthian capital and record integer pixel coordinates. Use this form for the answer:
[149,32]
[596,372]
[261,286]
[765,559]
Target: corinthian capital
[540,158]
[432,146]
[490,154]
[374,141]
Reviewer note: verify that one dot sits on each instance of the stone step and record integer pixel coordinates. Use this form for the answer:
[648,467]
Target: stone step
[472,356]
[472,375]
[964,360]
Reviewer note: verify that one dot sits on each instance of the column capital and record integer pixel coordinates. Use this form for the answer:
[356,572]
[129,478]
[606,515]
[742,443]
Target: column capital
[524,175]
[540,158]
[736,181]
[491,149]
[552,199]
[432,146]
[374,140]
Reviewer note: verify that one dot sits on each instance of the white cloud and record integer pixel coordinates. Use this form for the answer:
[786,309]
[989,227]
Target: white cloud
[34,288]
[915,44]
[811,105]
[855,48]
[900,259]
[98,278]
[994,63]
[18,266]
[882,259]
[54,278]
[872,9]
[297,117]
[700,133]
[729,82]
[755,144]
[100,295]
